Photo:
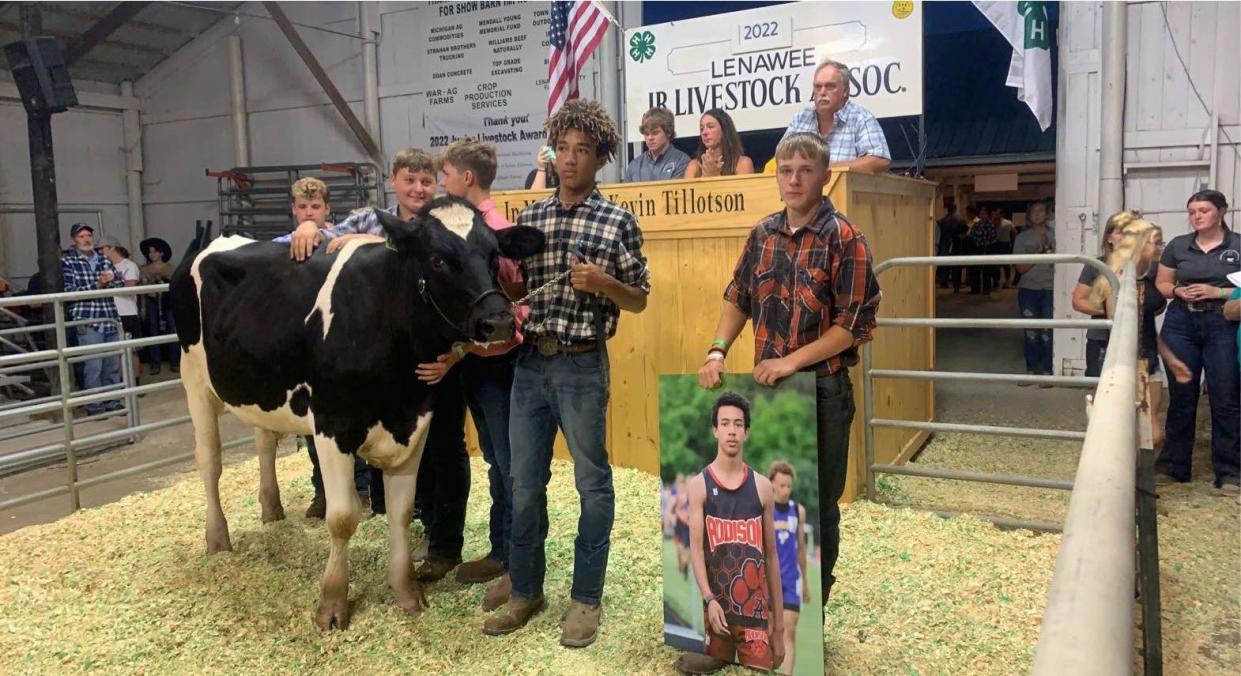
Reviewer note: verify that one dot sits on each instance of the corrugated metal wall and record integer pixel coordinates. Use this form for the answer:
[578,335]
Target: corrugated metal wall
[1167,137]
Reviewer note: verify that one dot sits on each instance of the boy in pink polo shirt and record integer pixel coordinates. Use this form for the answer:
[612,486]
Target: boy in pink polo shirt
[467,169]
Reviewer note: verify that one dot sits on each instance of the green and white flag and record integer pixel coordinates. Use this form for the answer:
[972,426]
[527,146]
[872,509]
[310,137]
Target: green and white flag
[1026,27]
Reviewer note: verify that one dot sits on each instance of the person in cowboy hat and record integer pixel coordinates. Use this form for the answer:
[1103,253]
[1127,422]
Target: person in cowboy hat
[158,310]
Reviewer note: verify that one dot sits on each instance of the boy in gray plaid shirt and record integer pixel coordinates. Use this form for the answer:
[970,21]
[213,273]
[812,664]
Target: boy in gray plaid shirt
[561,377]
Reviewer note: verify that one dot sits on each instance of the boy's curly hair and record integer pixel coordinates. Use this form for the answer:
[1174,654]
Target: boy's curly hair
[589,118]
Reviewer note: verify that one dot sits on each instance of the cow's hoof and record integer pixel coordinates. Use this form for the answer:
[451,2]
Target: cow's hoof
[413,602]
[273,513]
[218,544]
[332,614]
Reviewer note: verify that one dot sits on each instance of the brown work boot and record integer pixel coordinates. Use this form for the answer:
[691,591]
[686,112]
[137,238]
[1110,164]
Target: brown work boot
[317,508]
[580,626]
[435,569]
[498,593]
[513,615]
[482,570]
[696,663]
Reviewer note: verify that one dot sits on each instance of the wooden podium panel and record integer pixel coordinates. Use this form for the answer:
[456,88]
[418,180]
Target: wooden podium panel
[694,232]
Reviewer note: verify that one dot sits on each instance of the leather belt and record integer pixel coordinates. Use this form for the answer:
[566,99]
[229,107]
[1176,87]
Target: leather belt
[548,346]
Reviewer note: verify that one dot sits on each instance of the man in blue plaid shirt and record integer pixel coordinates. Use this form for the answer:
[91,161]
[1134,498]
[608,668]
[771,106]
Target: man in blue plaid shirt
[84,269]
[594,264]
[852,134]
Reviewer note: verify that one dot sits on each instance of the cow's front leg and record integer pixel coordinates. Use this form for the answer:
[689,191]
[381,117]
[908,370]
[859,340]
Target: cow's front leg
[399,487]
[342,520]
[269,491]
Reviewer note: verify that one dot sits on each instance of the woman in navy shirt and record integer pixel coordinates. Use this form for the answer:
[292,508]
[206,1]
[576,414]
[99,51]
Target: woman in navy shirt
[1193,275]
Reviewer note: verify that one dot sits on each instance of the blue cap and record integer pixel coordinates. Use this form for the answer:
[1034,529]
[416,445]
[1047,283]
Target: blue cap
[79,227]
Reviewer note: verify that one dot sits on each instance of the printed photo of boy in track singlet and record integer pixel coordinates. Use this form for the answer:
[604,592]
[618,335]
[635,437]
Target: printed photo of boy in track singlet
[739,503]
[733,547]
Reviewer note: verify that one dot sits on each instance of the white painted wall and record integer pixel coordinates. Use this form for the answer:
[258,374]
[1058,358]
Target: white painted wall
[1164,122]
[90,176]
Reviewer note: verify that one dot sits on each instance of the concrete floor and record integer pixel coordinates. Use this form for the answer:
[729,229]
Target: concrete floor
[154,446]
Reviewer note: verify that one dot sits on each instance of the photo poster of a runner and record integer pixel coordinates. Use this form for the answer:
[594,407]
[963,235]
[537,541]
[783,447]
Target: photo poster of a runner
[739,502]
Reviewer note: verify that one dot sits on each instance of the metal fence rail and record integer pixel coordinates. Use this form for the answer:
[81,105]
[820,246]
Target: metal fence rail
[62,357]
[869,374]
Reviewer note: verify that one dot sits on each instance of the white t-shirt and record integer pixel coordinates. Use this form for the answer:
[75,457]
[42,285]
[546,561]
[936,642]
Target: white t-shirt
[127,306]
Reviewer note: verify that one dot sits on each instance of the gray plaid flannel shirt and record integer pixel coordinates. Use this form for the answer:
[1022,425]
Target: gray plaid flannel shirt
[608,236]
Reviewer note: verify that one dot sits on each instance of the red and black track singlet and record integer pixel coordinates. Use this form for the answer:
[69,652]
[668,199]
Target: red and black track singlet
[733,546]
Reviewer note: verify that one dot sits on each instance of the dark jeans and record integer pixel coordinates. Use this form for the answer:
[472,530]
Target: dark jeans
[567,392]
[488,385]
[366,479]
[443,488]
[834,412]
[1037,304]
[158,321]
[1205,341]
[1095,351]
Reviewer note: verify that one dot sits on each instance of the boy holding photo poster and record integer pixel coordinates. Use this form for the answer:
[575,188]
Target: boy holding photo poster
[805,279]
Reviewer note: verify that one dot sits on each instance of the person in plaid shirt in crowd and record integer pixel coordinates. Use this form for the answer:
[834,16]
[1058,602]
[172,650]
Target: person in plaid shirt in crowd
[851,132]
[561,376]
[83,270]
[806,281]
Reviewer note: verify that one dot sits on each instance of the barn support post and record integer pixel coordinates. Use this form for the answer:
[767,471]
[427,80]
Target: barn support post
[237,82]
[1112,131]
[368,18]
[132,138]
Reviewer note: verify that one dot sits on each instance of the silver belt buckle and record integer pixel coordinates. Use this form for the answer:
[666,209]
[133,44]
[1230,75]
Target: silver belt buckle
[547,346]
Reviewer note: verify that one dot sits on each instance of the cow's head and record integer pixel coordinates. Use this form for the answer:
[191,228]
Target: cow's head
[456,257]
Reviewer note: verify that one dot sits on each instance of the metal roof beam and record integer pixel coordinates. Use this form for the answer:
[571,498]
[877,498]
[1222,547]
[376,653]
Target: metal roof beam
[97,33]
[67,37]
[329,88]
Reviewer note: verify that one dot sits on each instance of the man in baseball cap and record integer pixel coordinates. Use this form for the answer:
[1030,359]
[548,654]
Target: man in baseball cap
[83,270]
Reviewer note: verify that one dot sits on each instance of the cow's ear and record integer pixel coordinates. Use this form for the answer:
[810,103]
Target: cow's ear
[403,234]
[520,241]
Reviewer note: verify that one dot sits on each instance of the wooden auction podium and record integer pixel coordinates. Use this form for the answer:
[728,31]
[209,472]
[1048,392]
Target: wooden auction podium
[694,231]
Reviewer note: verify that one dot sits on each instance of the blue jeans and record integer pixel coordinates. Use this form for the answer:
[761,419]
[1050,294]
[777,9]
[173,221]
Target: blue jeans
[1036,304]
[1205,341]
[488,385]
[567,392]
[99,371]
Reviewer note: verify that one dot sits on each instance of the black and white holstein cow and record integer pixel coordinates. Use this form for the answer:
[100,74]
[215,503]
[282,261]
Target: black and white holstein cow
[328,347]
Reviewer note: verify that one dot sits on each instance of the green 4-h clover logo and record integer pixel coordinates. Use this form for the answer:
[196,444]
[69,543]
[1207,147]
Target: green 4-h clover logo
[642,46]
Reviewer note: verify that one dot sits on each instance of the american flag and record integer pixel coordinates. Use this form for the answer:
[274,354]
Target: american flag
[574,30]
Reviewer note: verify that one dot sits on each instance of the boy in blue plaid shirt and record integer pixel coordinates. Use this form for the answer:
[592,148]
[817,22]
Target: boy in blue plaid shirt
[594,264]
[84,269]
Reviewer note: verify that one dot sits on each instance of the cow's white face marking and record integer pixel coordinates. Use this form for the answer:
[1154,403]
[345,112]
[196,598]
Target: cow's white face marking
[458,218]
[323,301]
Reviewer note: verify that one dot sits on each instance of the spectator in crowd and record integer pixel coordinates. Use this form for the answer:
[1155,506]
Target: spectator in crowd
[543,176]
[1194,274]
[158,311]
[969,274]
[126,306]
[850,131]
[719,148]
[1232,309]
[1035,291]
[661,161]
[1140,243]
[952,232]
[1003,276]
[982,234]
[85,270]
[1096,339]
